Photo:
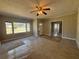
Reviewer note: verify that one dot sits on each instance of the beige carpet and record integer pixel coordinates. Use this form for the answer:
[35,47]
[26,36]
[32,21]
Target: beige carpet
[49,49]
[42,48]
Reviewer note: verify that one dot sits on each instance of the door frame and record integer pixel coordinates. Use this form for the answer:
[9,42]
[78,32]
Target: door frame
[60,29]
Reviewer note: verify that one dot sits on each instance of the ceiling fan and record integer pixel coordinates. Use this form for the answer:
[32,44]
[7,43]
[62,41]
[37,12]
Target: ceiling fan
[40,9]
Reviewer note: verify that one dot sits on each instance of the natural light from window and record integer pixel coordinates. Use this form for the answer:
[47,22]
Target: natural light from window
[19,27]
[28,27]
[8,28]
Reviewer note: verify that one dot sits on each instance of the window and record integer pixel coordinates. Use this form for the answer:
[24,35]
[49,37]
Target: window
[8,27]
[28,27]
[19,27]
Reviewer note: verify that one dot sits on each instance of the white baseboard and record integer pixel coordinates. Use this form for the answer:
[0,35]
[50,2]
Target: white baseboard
[69,38]
[77,43]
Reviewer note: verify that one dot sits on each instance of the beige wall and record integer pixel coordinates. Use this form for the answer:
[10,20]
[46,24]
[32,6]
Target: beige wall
[69,25]
[45,25]
[78,29]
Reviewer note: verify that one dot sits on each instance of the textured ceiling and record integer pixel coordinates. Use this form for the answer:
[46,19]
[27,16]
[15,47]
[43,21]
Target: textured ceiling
[23,7]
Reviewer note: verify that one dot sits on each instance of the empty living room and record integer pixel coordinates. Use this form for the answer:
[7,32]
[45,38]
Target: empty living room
[39,29]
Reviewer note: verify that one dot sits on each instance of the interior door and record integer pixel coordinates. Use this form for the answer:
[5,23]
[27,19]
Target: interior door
[56,28]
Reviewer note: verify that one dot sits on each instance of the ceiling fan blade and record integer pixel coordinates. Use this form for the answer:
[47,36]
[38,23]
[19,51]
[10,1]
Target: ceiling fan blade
[33,11]
[44,13]
[37,14]
[46,9]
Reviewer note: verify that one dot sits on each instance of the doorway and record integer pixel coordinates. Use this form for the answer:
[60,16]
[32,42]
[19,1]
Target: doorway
[40,29]
[56,29]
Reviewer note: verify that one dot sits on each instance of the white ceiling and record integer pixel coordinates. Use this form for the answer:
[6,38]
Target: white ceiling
[23,7]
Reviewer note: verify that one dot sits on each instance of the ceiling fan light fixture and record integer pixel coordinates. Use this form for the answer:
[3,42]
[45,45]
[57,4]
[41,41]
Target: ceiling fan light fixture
[39,9]
[40,12]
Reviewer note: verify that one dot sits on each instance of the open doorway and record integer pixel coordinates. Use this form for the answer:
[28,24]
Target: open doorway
[40,29]
[56,29]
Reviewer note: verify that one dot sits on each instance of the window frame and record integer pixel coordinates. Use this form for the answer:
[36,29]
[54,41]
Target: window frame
[29,27]
[19,32]
[13,27]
